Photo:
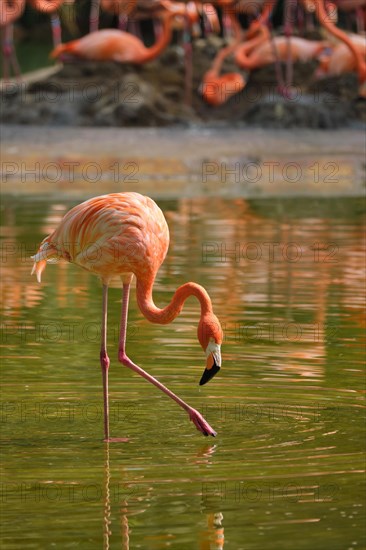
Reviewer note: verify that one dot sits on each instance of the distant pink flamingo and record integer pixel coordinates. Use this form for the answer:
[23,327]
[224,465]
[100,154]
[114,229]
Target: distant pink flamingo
[318,7]
[10,11]
[261,50]
[121,46]
[341,60]
[217,88]
[121,235]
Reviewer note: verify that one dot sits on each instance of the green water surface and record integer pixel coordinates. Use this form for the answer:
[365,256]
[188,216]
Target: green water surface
[286,470]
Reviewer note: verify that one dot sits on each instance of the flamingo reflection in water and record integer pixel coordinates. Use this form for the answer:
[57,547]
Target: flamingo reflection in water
[134,497]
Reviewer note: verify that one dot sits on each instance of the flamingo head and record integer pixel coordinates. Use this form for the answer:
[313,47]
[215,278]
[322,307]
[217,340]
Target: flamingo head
[210,18]
[210,337]
[217,90]
[182,12]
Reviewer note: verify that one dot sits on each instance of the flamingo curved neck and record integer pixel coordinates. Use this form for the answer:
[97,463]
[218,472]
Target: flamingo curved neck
[266,12]
[242,54]
[223,54]
[172,310]
[161,43]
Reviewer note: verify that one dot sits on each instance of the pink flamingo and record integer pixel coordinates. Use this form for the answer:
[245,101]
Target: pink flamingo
[261,50]
[317,6]
[216,88]
[341,60]
[123,47]
[211,22]
[130,237]
[10,11]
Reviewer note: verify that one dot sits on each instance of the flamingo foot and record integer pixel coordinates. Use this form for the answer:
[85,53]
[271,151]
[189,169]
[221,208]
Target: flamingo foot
[116,440]
[200,423]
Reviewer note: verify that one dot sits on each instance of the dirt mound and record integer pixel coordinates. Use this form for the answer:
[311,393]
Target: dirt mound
[87,93]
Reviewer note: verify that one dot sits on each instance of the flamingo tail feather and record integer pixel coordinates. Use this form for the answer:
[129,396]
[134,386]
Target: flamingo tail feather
[45,253]
[61,49]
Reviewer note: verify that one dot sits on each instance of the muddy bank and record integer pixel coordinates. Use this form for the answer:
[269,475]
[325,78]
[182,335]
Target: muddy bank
[175,162]
[108,94]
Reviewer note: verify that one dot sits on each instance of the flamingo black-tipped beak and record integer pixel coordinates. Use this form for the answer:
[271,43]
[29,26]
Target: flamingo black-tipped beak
[209,373]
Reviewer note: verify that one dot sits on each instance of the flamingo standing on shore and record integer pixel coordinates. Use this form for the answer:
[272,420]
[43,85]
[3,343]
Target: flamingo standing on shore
[121,46]
[261,50]
[10,11]
[121,235]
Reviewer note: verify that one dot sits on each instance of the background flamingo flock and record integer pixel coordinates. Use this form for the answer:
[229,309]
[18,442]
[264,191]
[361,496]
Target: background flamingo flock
[251,39]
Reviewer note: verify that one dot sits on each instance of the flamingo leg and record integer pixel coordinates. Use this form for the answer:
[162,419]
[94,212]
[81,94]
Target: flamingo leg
[6,55]
[9,55]
[278,68]
[13,56]
[188,65]
[10,61]
[124,315]
[94,16]
[15,64]
[105,362]
[289,13]
[56,29]
[194,415]
[360,20]
[123,22]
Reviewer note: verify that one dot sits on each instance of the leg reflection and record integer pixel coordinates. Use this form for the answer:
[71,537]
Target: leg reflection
[107,532]
[213,537]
